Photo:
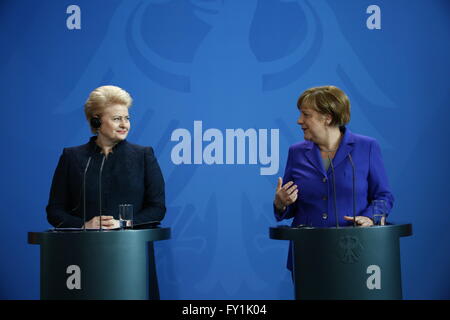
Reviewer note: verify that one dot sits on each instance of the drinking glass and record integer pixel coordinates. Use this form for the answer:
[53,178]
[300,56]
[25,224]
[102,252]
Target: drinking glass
[126,216]
[379,208]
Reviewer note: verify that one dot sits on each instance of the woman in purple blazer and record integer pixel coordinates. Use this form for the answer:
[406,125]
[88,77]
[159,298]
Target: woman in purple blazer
[308,193]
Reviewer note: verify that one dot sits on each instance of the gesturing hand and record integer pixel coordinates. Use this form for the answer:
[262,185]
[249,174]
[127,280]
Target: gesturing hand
[285,195]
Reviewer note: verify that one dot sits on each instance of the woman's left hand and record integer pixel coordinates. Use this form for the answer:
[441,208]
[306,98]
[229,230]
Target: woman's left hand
[361,221]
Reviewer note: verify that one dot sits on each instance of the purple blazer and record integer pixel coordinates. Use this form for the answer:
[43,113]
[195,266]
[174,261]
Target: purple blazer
[315,204]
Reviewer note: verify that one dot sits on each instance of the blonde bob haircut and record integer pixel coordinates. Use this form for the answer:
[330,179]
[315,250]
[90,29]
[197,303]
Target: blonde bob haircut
[327,100]
[103,97]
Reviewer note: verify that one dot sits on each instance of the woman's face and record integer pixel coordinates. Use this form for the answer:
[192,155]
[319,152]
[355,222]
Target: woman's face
[313,123]
[115,123]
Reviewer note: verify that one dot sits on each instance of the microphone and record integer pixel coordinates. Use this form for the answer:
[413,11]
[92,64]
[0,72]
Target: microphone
[84,193]
[100,191]
[353,189]
[334,191]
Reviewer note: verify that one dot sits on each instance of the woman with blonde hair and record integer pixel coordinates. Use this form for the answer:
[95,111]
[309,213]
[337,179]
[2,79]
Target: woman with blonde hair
[93,180]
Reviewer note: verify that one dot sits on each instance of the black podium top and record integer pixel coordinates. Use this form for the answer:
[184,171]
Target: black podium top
[153,234]
[299,234]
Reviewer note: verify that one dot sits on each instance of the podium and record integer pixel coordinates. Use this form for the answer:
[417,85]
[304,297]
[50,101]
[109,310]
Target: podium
[107,264]
[347,263]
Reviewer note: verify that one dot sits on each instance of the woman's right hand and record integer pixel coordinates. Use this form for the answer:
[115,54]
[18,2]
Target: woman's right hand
[285,195]
[108,222]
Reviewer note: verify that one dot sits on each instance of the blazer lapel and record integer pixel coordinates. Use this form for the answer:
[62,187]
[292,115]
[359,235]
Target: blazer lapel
[345,148]
[127,157]
[313,155]
[82,155]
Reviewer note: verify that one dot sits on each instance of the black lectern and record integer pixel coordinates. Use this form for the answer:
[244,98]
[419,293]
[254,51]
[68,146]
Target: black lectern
[115,264]
[346,263]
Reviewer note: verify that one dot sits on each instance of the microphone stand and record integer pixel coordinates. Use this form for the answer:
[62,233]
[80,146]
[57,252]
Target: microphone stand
[84,193]
[334,191]
[353,189]
[100,191]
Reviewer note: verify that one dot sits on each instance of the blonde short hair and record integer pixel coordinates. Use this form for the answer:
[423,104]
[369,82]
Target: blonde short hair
[327,100]
[103,97]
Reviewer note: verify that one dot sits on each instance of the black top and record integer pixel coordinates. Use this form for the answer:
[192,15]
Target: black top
[130,175]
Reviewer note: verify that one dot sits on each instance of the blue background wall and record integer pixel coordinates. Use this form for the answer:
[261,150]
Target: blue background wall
[230,64]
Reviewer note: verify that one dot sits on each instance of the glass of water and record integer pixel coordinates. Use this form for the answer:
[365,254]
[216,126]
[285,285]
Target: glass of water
[126,216]
[379,208]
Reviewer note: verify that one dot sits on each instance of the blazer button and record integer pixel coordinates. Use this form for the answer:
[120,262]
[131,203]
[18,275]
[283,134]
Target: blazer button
[324,216]
[324,198]
[324,180]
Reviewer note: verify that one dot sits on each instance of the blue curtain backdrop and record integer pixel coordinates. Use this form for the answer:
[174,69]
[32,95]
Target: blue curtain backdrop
[229,64]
